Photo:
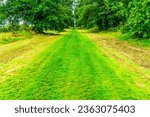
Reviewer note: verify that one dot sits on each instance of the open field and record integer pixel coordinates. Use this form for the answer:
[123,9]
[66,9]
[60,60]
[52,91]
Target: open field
[76,65]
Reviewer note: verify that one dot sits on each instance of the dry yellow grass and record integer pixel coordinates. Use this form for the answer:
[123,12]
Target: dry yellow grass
[19,54]
[4,35]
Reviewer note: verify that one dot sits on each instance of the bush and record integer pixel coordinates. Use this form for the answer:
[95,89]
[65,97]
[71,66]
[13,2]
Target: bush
[94,30]
[138,23]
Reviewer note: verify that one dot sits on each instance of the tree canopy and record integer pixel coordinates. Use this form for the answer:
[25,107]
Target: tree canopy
[131,16]
[40,14]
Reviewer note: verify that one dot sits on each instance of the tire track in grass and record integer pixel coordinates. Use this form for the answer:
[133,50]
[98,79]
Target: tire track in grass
[74,68]
[77,70]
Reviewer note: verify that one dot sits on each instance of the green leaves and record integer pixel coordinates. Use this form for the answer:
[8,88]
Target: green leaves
[87,16]
[40,14]
[138,22]
[131,15]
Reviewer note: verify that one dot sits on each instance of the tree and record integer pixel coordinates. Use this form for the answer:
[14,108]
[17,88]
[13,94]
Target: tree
[132,15]
[86,13]
[102,13]
[40,14]
[138,21]
[2,15]
[87,16]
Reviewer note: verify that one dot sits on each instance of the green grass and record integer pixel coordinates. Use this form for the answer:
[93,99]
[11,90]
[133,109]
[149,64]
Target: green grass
[72,68]
[6,38]
[139,42]
[129,39]
[9,40]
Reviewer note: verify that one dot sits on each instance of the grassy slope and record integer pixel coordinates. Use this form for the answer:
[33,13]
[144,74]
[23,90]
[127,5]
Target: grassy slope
[73,68]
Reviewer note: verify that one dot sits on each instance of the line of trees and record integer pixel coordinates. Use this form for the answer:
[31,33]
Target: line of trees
[41,15]
[132,16]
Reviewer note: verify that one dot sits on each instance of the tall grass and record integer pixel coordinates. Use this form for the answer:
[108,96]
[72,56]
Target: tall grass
[7,37]
[127,38]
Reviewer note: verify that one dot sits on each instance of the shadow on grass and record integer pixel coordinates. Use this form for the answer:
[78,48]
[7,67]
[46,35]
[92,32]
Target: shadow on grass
[47,33]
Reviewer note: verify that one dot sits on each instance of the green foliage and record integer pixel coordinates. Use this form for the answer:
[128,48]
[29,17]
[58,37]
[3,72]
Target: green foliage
[94,30]
[2,15]
[40,14]
[138,22]
[103,13]
[15,36]
[127,38]
[133,16]
[9,40]
[87,16]
[15,27]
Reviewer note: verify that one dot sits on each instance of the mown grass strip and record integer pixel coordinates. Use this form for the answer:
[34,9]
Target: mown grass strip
[72,68]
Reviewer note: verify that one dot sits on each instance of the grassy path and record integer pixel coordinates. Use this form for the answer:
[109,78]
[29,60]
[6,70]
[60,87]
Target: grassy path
[72,68]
